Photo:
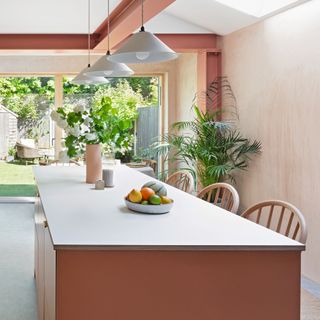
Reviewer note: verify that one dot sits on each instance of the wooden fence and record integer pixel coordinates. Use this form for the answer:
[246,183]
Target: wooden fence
[8,130]
[147,128]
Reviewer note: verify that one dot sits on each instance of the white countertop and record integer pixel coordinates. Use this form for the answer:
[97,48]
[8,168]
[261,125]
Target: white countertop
[80,216]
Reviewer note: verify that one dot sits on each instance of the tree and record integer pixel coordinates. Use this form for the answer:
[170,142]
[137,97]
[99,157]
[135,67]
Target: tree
[30,98]
[146,86]
[20,95]
[14,86]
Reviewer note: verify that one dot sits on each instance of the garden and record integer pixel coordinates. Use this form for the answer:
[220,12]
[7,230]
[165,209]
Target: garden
[32,100]
[16,180]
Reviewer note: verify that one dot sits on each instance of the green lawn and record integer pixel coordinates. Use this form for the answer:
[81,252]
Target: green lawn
[16,180]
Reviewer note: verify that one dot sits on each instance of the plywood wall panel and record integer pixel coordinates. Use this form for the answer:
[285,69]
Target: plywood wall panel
[274,69]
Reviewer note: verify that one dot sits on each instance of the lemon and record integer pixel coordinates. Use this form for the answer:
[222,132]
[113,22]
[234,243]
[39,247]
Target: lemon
[135,196]
[165,200]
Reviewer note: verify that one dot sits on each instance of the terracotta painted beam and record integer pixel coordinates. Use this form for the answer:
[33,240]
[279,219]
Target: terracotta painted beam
[77,44]
[126,19]
[208,69]
[102,30]
[45,41]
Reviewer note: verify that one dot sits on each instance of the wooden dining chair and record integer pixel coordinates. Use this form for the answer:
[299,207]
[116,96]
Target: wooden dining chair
[182,180]
[221,194]
[279,216]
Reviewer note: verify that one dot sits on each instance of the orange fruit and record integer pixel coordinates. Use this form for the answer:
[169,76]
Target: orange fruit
[146,193]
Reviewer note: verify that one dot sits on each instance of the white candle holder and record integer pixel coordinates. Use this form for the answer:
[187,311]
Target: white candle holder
[107,176]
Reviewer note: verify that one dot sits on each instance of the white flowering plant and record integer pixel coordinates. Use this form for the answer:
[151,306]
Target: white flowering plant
[100,123]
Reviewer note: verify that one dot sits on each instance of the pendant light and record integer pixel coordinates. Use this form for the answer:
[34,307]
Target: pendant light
[143,47]
[105,68]
[82,78]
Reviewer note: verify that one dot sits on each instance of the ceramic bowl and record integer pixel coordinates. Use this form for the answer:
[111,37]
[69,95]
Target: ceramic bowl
[148,208]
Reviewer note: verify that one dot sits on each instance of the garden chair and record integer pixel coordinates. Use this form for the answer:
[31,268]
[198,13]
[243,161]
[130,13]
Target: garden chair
[27,153]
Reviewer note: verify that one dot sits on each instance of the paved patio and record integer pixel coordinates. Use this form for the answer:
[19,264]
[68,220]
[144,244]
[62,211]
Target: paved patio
[17,290]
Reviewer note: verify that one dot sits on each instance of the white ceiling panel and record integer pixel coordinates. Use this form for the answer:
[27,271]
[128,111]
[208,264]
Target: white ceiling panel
[259,8]
[211,15]
[51,16]
[226,16]
[167,23]
[182,16]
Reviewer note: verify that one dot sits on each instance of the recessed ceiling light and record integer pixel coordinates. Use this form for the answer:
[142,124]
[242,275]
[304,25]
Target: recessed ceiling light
[257,8]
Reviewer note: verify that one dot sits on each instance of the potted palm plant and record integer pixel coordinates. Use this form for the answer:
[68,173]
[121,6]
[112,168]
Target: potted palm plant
[211,148]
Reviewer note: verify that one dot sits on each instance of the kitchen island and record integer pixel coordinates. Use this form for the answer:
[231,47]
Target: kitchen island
[95,259]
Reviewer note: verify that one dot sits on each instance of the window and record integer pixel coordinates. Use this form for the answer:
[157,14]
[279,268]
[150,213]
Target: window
[257,8]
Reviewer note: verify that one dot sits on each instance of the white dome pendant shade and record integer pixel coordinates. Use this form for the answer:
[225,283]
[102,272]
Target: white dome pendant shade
[143,47]
[106,68]
[82,78]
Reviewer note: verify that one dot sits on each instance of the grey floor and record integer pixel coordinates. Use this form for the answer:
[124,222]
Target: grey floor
[311,286]
[17,285]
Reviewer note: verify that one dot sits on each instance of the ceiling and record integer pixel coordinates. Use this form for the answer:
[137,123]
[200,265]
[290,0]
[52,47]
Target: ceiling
[183,16]
[51,16]
[216,16]
[209,15]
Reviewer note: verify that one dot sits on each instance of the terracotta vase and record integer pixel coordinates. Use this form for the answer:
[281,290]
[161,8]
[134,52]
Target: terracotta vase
[93,163]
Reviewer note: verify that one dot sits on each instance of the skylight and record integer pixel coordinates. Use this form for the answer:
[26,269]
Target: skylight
[257,8]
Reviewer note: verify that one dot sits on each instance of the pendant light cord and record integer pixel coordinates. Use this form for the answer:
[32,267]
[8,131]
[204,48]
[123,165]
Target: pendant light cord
[89,35]
[108,52]
[142,17]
